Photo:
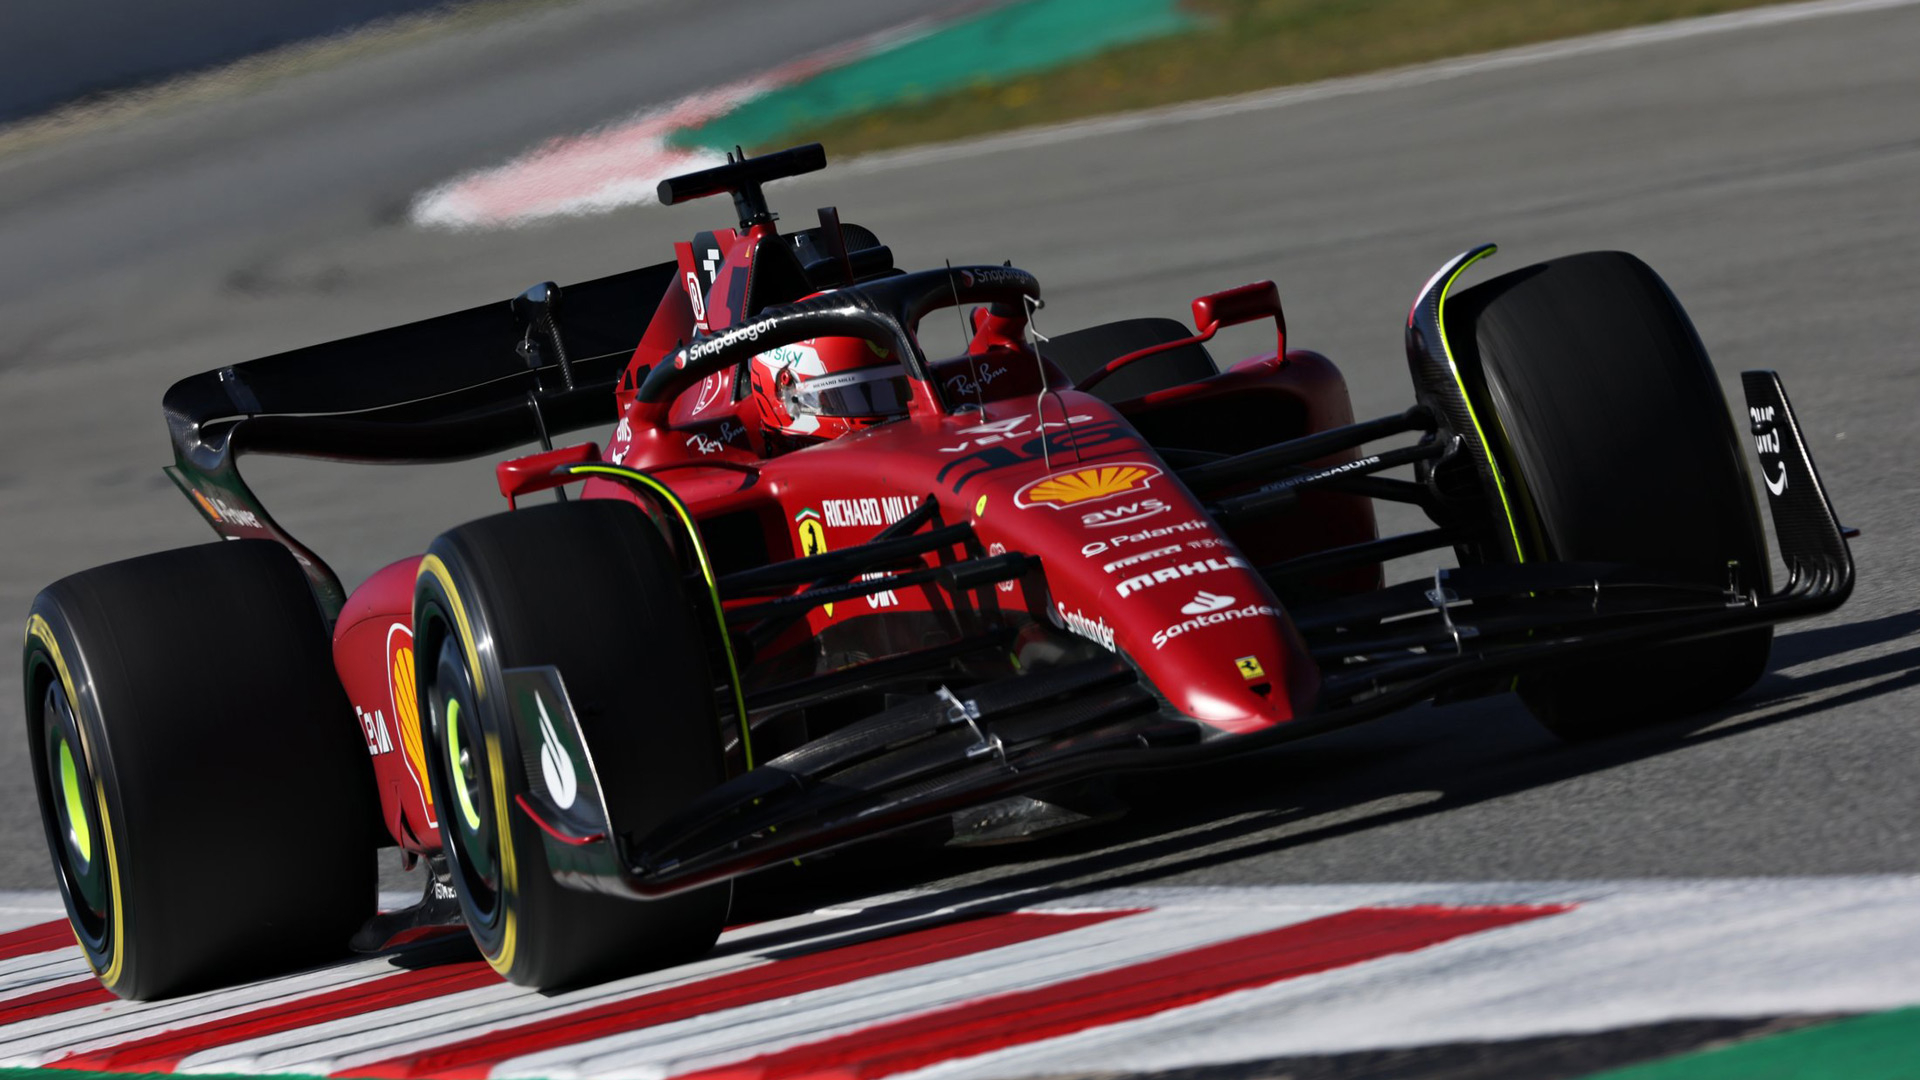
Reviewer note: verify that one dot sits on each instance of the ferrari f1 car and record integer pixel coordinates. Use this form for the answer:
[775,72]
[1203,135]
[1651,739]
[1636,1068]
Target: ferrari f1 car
[820,586]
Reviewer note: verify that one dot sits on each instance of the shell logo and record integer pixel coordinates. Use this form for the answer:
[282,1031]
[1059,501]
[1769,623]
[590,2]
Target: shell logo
[406,710]
[1091,484]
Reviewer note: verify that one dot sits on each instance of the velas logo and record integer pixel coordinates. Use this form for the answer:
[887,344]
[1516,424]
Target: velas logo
[1204,602]
[1094,483]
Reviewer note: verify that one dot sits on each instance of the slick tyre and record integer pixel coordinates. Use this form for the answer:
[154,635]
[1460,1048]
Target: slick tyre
[209,808]
[591,588]
[1609,424]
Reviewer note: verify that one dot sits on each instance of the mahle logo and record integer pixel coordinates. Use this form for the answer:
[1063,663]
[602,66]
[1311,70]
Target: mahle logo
[1165,574]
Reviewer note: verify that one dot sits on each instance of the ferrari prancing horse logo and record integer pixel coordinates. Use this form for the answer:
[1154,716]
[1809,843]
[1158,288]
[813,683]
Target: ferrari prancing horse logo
[813,533]
[813,539]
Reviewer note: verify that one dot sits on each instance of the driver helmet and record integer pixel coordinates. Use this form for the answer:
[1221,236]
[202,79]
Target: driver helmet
[823,388]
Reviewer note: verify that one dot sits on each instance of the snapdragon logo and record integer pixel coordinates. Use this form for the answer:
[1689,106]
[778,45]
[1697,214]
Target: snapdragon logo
[1210,609]
[997,275]
[701,349]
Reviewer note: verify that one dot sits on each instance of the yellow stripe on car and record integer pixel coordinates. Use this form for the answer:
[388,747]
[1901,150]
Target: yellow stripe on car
[706,571]
[1493,466]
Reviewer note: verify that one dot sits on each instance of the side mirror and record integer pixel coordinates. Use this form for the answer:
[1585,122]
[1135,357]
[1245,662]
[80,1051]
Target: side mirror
[1245,304]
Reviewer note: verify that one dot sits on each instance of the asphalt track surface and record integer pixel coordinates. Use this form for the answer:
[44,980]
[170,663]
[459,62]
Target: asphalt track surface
[1772,174]
[48,56]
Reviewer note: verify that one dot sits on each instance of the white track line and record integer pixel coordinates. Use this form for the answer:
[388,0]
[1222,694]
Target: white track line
[1632,953]
[1625,953]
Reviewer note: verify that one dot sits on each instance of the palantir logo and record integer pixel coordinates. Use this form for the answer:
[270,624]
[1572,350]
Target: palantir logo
[1204,602]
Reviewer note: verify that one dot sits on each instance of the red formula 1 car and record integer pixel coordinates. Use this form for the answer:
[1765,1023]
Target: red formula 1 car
[820,586]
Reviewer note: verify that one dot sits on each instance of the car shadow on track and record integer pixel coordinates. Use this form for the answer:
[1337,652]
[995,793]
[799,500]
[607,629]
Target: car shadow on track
[1406,767]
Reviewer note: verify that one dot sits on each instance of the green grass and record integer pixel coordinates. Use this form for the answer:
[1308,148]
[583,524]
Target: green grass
[1878,1046]
[1244,45]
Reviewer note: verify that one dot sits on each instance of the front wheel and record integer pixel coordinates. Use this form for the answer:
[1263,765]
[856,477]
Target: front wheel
[1608,422]
[590,588]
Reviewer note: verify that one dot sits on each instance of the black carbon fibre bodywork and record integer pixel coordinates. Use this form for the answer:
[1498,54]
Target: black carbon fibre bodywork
[447,388]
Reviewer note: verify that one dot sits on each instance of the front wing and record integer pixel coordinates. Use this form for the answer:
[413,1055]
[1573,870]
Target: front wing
[1465,627]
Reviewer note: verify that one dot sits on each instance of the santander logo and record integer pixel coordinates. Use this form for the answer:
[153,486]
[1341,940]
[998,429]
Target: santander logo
[1204,602]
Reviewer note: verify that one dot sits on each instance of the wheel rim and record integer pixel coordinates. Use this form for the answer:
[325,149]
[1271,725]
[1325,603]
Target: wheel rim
[79,839]
[474,848]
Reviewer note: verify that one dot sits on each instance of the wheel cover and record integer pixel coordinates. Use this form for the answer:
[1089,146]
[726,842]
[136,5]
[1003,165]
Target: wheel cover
[83,872]
[474,851]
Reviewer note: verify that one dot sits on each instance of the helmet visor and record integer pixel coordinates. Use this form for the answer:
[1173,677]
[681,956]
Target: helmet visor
[875,391]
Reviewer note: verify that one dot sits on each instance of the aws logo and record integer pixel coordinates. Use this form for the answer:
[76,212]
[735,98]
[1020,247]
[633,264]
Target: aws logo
[1124,513]
[1095,483]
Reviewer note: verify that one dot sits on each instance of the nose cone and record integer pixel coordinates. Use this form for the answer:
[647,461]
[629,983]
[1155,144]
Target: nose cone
[1208,632]
[1195,616]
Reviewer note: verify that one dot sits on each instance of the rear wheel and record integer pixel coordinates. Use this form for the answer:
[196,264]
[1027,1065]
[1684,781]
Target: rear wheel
[591,588]
[210,813]
[1609,425]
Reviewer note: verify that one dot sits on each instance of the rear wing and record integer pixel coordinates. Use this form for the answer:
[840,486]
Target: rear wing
[448,388]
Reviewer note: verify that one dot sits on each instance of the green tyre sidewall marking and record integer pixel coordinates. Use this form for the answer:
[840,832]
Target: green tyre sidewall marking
[460,762]
[72,790]
[76,820]
[92,897]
